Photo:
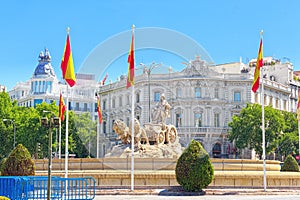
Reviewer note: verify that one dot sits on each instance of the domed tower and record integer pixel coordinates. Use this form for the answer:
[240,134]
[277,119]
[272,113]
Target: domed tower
[43,76]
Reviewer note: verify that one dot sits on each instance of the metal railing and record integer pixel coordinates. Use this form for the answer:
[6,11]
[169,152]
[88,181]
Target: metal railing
[35,187]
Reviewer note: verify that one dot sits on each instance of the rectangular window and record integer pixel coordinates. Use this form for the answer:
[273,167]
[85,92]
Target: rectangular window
[120,101]
[85,107]
[127,100]
[216,93]
[113,103]
[178,120]
[104,105]
[237,97]
[198,119]
[198,92]
[138,98]
[284,104]
[178,92]
[217,120]
[156,96]
[104,127]
[96,106]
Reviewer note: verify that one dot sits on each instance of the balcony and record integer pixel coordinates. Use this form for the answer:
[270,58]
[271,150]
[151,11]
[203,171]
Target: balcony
[202,130]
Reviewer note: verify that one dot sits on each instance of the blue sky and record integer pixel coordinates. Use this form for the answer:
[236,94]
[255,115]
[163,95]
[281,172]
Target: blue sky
[227,30]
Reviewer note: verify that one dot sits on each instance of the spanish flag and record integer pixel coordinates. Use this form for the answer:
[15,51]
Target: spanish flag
[61,108]
[99,110]
[130,77]
[259,64]
[67,65]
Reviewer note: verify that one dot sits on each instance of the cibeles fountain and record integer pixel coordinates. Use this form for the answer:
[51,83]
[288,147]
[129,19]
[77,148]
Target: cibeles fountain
[152,140]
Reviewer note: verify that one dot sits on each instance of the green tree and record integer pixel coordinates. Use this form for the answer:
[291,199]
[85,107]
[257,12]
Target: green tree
[288,142]
[29,131]
[246,128]
[7,110]
[84,135]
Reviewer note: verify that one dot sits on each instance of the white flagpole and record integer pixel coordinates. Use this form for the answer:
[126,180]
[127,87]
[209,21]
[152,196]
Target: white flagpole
[67,135]
[98,130]
[132,138]
[263,123]
[59,140]
[132,123]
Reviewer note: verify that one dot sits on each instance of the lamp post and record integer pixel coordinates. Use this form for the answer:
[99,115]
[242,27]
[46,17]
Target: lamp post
[148,70]
[53,123]
[14,129]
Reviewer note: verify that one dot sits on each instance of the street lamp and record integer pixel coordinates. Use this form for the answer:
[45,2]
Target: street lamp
[147,70]
[14,129]
[52,123]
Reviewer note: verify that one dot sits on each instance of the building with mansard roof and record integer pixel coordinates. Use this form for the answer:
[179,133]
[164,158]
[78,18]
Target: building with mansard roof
[203,99]
[44,86]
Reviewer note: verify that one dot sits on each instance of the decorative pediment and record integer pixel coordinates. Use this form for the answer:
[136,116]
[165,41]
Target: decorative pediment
[198,67]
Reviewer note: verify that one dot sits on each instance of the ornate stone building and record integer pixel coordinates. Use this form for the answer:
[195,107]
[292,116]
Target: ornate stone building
[44,86]
[203,98]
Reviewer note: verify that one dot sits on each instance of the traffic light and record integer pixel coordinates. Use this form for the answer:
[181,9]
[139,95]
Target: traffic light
[38,146]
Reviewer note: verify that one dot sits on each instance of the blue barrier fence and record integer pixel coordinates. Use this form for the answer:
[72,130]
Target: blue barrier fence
[35,187]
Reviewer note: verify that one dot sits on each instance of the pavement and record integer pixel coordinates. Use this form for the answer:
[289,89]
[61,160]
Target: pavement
[176,191]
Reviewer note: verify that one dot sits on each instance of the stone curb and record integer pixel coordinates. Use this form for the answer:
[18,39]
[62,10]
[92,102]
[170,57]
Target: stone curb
[162,192]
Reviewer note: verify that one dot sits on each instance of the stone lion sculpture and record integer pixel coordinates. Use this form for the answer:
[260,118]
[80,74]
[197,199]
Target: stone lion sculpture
[140,136]
[124,132]
[120,128]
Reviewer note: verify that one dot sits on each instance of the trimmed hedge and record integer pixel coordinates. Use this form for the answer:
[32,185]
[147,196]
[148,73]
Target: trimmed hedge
[194,170]
[290,164]
[18,163]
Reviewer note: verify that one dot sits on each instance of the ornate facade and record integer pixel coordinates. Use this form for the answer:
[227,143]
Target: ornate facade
[44,86]
[203,99]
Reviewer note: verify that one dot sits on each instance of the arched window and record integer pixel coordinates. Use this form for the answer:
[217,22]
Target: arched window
[217,150]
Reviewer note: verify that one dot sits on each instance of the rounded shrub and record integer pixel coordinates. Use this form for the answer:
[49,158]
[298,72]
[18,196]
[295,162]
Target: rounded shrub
[290,164]
[194,170]
[19,163]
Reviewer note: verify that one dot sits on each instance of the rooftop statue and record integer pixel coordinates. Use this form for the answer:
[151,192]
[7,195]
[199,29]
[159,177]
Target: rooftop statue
[44,67]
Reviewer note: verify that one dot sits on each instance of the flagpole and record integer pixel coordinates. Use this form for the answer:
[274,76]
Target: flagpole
[67,135]
[98,130]
[263,124]
[132,130]
[59,140]
[132,138]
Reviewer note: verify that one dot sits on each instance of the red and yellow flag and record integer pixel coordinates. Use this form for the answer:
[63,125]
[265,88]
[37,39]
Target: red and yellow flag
[104,79]
[67,65]
[61,108]
[259,64]
[99,110]
[130,77]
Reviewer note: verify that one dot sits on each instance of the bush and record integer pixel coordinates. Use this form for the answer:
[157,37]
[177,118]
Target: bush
[290,164]
[194,170]
[19,163]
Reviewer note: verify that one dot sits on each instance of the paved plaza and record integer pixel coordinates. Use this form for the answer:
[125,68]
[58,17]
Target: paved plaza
[206,197]
[211,194]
